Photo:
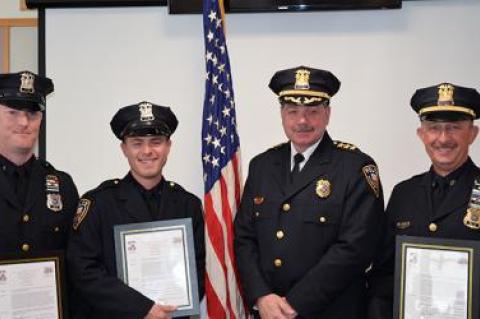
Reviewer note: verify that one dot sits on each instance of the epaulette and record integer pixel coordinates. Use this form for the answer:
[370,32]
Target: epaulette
[46,164]
[173,185]
[104,185]
[277,146]
[345,146]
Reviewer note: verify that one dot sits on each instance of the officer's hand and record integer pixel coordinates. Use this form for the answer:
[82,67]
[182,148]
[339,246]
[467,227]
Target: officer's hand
[291,313]
[160,311]
[273,306]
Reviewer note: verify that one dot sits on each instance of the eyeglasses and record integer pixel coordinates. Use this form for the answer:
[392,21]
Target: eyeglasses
[451,128]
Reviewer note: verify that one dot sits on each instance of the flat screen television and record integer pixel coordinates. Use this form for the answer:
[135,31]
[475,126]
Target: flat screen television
[195,6]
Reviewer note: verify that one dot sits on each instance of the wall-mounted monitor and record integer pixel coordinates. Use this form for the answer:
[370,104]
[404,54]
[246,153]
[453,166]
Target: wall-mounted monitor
[195,6]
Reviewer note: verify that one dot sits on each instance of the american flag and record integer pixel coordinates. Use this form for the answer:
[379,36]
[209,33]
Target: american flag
[221,171]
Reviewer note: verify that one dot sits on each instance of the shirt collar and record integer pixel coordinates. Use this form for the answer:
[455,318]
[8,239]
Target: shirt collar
[306,154]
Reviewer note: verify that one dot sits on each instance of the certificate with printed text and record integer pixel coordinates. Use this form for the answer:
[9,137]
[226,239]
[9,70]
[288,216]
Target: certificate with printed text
[436,278]
[158,260]
[31,288]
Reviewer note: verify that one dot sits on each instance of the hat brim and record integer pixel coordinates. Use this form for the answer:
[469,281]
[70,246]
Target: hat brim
[23,104]
[141,128]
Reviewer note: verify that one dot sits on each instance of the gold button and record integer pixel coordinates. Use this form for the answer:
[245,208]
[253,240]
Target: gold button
[26,218]
[433,227]
[277,262]
[116,181]
[280,234]
[323,219]
[257,214]
[286,207]
[25,247]
[56,229]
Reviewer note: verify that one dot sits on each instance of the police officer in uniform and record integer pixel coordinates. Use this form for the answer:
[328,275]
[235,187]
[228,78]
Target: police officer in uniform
[311,212]
[143,195]
[443,202]
[37,202]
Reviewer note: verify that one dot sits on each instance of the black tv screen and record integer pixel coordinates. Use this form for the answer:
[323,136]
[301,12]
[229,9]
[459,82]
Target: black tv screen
[195,6]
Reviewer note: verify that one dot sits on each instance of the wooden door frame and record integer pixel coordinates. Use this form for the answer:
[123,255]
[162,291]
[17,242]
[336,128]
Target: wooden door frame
[5,30]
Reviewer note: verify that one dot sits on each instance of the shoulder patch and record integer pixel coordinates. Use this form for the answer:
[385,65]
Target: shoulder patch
[345,146]
[373,179]
[82,211]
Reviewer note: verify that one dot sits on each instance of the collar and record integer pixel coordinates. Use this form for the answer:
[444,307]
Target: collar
[155,190]
[451,178]
[306,154]
[9,168]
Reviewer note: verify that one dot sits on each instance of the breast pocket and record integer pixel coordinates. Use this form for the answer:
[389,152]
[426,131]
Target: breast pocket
[321,224]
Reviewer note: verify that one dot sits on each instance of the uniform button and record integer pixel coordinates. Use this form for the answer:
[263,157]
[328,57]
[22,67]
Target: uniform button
[452,182]
[257,214]
[286,207]
[56,229]
[26,218]
[433,227]
[322,219]
[277,262]
[116,181]
[25,247]
[280,234]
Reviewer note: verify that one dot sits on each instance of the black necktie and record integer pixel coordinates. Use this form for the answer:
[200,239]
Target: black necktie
[152,199]
[297,159]
[21,184]
[440,186]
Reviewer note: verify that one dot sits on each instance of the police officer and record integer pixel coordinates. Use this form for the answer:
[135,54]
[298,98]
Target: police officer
[440,202]
[37,202]
[311,211]
[143,195]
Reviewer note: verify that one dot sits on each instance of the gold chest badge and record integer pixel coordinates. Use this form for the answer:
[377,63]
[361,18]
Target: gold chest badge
[323,188]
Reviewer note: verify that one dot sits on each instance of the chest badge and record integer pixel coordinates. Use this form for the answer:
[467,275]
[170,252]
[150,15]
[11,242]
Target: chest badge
[323,188]
[472,217]
[52,189]
[54,202]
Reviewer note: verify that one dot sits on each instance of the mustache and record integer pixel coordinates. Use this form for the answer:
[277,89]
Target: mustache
[449,144]
[303,128]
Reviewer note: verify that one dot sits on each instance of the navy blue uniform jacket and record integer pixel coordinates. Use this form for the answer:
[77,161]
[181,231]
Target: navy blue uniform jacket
[310,242]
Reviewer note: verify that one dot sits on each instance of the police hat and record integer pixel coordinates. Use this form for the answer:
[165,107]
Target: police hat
[446,102]
[24,90]
[304,86]
[142,119]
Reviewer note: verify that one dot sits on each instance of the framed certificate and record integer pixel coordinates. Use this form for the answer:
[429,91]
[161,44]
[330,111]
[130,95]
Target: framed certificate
[436,278]
[32,287]
[158,260]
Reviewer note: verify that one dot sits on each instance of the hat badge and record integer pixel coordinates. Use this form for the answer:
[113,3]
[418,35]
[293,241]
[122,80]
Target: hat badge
[445,94]
[302,79]
[146,113]
[26,86]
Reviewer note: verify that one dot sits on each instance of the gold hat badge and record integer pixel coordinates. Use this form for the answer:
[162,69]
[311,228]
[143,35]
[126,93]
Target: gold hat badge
[445,94]
[302,79]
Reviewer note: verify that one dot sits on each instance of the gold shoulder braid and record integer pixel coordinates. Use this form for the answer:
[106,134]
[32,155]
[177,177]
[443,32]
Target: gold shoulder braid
[472,217]
[344,146]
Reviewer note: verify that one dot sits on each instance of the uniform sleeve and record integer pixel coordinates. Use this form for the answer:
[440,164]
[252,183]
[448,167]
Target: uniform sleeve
[199,238]
[88,271]
[347,259]
[380,279]
[246,245]
[71,195]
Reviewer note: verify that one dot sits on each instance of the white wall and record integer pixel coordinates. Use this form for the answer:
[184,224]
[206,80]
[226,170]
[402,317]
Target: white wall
[11,9]
[102,59]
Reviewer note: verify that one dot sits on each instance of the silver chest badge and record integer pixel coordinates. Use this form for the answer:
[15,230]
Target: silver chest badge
[472,217]
[52,189]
